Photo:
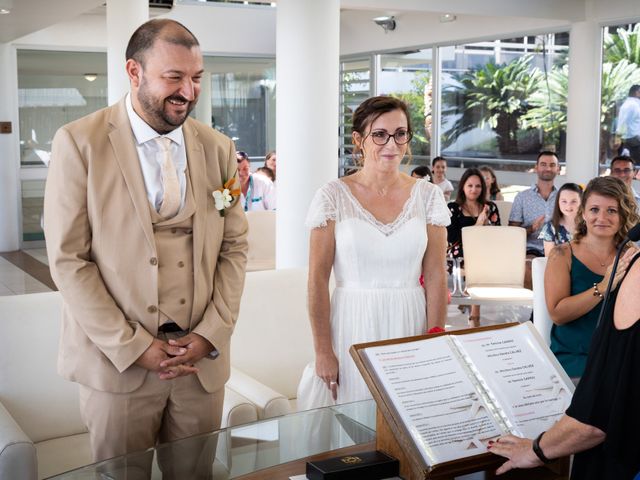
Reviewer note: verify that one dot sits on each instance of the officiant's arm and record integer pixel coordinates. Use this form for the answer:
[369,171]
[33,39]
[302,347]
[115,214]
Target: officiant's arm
[322,247]
[566,437]
[435,276]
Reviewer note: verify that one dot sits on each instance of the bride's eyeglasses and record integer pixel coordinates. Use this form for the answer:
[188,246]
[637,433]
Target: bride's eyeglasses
[401,137]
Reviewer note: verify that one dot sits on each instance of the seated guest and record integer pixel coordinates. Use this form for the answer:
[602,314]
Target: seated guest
[563,220]
[470,208]
[493,189]
[623,167]
[267,172]
[258,192]
[578,272]
[439,170]
[422,172]
[270,163]
[531,207]
[601,425]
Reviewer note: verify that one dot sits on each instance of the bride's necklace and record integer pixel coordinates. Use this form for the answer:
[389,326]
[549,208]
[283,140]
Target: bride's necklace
[602,264]
[383,191]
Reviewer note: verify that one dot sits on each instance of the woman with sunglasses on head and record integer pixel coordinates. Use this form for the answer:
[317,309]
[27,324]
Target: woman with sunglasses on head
[379,230]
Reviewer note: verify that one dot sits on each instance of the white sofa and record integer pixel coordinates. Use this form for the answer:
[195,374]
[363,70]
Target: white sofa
[41,433]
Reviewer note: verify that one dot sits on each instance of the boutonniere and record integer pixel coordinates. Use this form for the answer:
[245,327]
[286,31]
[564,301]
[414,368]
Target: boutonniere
[223,197]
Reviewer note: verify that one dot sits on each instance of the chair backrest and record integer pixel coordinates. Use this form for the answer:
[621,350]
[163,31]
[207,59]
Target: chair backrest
[494,256]
[541,318]
[272,340]
[262,240]
[44,404]
[504,208]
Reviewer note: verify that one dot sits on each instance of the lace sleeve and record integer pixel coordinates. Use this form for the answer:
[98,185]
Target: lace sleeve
[322,208]
[436,210]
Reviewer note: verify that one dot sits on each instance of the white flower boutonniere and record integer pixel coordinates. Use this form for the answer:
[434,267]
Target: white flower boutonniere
[223,197]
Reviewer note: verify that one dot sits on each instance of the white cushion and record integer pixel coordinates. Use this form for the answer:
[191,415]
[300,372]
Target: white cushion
[62,454]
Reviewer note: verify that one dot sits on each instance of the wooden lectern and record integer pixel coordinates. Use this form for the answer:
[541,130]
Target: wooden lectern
[392,438]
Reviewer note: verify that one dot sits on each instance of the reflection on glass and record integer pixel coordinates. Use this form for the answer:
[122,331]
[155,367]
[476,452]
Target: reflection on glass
[407,76]
[620,71]
[240,450]
[504,99]
[355,87]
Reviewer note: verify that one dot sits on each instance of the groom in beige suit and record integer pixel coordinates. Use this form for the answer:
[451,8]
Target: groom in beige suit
[151,273]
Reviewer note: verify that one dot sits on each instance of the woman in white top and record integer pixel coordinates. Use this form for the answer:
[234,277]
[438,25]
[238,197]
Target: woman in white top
[439,171]
[379,230]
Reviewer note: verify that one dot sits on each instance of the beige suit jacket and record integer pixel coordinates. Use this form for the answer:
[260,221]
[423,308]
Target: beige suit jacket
[101,250]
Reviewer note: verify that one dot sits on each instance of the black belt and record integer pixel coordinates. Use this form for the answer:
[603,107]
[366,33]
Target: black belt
[170,327]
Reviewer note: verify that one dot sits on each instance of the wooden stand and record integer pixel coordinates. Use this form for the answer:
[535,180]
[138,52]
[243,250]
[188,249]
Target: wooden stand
[393,440]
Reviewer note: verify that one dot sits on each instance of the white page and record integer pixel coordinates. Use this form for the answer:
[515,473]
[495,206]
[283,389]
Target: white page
[434,397]
[521,375]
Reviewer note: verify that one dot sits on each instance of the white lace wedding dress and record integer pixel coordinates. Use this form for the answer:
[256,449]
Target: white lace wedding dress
[377,269]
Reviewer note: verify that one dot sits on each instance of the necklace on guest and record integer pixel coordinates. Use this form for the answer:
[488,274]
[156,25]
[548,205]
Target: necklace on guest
[602,264]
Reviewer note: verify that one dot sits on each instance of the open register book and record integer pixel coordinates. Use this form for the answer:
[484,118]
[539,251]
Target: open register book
[452,393]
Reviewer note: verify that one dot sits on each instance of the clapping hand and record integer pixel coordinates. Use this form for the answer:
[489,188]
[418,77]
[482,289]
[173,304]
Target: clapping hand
[483,217]
[537,223]
[623,264]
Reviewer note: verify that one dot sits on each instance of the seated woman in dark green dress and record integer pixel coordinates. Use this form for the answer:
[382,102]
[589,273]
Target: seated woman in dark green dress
[578,272]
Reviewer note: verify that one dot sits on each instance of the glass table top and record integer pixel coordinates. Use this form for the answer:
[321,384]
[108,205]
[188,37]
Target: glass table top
[237,451]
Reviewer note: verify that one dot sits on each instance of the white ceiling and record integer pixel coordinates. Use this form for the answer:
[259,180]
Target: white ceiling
[28,16]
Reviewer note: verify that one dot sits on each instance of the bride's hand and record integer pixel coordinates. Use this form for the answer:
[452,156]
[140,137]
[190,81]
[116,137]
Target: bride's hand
[327,370]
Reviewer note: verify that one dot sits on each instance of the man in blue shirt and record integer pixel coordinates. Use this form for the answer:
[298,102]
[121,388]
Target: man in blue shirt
[533,206]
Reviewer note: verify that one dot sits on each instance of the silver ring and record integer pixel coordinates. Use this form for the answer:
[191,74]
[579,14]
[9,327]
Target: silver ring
[333,383]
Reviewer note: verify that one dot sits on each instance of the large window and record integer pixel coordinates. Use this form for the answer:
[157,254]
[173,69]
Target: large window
[504,101]
[56,88]
[243,94]
[355,87]
[408,77]
[620,71]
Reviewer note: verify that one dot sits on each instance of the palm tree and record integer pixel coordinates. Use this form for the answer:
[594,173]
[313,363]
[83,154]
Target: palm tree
[497,95]
[623,45]
[616,80]
[549,106]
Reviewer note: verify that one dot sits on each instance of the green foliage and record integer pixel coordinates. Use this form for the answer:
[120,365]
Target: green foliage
[616,80]
[495,95]
[549,106]
[623,45]
[419,110]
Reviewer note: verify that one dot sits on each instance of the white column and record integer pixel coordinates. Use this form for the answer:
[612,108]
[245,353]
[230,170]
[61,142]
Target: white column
[307,88]
[204,108]
[123,17]
[10,217]
[583,104]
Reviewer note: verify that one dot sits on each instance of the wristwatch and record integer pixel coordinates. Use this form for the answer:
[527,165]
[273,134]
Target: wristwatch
[538,451]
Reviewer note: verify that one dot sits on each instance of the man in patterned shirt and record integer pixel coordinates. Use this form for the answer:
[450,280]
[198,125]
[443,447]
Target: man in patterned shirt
[531,207]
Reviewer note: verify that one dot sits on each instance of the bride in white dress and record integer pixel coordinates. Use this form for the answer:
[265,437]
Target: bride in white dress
[379,229]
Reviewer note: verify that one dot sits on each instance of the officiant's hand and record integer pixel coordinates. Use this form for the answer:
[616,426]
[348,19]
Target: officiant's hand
[517,450]
[327,370]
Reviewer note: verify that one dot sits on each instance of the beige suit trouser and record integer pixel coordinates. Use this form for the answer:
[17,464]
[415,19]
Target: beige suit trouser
[158,412]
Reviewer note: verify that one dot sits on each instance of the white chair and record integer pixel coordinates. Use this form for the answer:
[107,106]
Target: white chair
[41,432]
[504,208]
[262,240]
[494,263]
[541,318]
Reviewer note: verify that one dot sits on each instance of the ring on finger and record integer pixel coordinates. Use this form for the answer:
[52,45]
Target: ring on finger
[333,383]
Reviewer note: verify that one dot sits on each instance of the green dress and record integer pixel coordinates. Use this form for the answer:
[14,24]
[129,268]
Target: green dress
[570,342]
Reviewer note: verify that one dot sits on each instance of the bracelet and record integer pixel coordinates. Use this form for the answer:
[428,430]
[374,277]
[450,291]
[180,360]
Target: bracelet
[538,451]
[596,291]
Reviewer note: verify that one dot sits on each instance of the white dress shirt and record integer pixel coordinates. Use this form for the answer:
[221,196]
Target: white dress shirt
[150,156]
[629,118]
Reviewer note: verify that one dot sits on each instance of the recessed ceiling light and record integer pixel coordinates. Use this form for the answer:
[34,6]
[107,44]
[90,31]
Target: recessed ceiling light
[447,17]
[90,77]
